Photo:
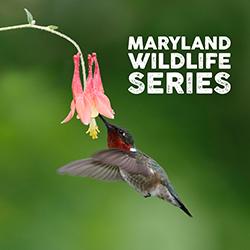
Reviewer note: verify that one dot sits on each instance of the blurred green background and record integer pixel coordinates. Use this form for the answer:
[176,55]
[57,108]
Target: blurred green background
[201,140]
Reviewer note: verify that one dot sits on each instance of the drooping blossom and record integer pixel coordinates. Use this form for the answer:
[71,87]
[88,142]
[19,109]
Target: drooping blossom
[92,101]
[80,103]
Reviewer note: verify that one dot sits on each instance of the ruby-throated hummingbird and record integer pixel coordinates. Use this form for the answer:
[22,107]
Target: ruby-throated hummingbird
[122,161]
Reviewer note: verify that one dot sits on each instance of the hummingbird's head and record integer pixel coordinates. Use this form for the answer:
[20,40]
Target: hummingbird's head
[118,137]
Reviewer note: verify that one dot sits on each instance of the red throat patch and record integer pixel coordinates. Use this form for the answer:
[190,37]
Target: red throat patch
[115,141]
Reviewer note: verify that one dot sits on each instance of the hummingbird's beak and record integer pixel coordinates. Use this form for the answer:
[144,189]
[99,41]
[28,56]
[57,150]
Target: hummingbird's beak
[108,125]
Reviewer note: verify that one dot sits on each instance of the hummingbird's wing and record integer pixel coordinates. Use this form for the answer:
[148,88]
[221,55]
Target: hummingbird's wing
[92,168]
[127,161]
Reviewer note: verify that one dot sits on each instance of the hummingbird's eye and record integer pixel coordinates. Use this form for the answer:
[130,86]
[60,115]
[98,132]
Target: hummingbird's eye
[122,133]
[125,136]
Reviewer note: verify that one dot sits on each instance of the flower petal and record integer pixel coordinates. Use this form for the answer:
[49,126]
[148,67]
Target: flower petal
[94,111]
[83,109]
[76,81]
[97,75]
[103,105]
[71,113]
[89,83]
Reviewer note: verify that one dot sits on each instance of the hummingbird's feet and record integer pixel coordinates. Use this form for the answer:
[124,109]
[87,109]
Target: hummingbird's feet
[147,195]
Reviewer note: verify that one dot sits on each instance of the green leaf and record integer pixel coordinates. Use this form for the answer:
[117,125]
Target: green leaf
[53,27]
[30,18]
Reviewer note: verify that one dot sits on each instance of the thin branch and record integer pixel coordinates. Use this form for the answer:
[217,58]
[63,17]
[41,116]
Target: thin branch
[50,30]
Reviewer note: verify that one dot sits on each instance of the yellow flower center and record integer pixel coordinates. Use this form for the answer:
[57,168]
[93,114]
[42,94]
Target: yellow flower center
[93,129]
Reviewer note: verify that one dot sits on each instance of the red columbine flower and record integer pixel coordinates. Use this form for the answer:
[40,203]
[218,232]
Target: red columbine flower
[99,102]
[92,101]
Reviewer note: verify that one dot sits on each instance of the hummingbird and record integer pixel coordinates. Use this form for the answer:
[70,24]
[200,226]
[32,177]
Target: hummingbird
[122,161]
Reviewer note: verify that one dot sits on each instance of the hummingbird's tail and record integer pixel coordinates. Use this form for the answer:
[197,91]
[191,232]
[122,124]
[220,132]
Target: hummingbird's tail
[182,207]
[170,195]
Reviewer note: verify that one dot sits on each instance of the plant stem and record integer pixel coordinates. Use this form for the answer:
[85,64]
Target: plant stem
[50,30]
